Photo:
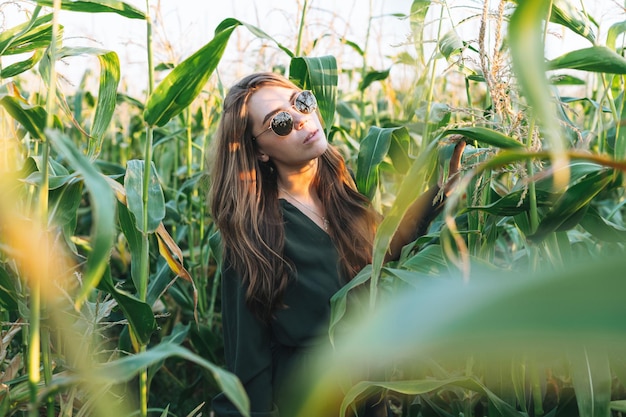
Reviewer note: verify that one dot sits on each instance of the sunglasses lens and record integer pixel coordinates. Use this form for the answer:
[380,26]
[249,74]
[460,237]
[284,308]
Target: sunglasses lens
[282,123]
[305,102]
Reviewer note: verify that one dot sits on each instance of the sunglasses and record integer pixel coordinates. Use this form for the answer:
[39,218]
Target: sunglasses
[282,122]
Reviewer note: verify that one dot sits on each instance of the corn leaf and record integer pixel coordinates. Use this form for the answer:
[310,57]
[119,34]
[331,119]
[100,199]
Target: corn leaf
[614,31]
[492,317]
[416,387]
[125,369]
[133,183]
[339,301]
[122,370]
[174,258]
[133,239]
[21,66]
[495,315]
[102,203]
[566,14]
[601,228]
[98,6]
[594,59]
[181,86]
[318,74]
[107,91]
[63,208]
[428,260]
[107,95]
[485,135]
[9,293]
[26,37]
[138,313]
[371,77]
[413,184]
[419,10]
[572,204]
[514,203]
[592,380]
[526,30]
[450,44]
[32,118]
[375,147]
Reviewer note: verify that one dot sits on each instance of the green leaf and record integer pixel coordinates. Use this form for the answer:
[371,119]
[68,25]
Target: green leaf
[123,370]
[495,315]
[371,77]
[320,75]
[9,293]
[102,204]
[566,79]
[32,118]
[413,184]
[566,14]
[339,301]
[256,32]
[594,59]
[614,31]
[63,207]
[419,10]
[107,95]
[437,114]
[399,150]
[177,336]
[571,205]
[592,380]
[450,44]
[526,29]
[133,183]
[181,86]
[138,313]
[22,66]
[26,37]
[107,91]
[417,387]
[601,228]
[374,148]
[485,135]
[98,6]
[515,202]
[355,46]
[133,238]
[428,260]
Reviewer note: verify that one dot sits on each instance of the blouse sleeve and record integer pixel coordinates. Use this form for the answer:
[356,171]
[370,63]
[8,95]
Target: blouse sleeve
[247,350]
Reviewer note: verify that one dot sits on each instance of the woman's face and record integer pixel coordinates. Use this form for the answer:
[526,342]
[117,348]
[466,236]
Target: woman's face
[299,147]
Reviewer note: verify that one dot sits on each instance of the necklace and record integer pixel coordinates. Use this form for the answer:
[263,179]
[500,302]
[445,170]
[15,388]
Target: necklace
[304,206]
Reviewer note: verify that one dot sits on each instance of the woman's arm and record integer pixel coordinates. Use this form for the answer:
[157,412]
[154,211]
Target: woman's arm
[424,210]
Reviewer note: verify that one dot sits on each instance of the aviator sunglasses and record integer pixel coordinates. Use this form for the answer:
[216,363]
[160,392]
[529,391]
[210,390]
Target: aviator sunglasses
[282,122]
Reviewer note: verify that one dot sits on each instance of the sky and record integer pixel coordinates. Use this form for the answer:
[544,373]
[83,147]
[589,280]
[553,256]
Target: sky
[183,26]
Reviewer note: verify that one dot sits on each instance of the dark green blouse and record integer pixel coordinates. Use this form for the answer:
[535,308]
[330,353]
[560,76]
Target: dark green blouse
[262,355]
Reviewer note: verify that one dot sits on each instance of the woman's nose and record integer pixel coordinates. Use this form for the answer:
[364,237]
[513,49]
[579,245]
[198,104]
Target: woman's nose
[299,119]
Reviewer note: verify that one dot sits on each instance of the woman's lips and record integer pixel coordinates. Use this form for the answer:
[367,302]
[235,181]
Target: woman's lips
[310,136]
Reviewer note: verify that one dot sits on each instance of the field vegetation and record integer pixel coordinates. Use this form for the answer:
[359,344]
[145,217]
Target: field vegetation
[511,305]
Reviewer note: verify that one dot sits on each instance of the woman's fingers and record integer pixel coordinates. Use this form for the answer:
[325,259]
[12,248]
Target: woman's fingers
[457,154]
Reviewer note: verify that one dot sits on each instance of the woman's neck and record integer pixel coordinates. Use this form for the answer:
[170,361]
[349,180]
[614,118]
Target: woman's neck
[298,181]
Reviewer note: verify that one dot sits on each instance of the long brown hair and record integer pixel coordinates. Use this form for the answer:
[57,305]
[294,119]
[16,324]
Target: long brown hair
[243,200]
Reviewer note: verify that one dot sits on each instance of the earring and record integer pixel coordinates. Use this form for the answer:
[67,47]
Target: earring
[264,157]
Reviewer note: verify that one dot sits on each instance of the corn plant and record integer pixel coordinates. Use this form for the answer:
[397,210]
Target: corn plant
[531,210]
[507,306]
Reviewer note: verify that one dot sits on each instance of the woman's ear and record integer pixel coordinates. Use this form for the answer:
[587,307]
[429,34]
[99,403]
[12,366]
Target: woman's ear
[263,157]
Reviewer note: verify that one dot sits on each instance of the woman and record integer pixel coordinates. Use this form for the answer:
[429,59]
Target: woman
[294,230]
